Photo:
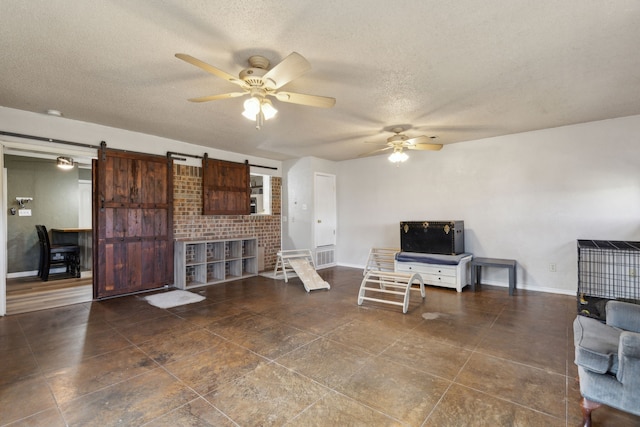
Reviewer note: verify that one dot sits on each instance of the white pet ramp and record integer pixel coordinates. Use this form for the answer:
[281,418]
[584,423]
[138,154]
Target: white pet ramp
[300,261]
[390,284]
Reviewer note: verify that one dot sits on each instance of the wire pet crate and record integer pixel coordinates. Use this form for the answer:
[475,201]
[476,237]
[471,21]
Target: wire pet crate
[607,270]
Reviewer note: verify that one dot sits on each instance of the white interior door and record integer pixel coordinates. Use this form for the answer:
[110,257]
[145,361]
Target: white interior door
[325,220]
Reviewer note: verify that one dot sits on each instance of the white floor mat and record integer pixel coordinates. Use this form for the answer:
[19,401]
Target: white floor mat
[173,299]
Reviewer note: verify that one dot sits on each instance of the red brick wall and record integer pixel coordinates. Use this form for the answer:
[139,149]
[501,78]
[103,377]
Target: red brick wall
[189,223]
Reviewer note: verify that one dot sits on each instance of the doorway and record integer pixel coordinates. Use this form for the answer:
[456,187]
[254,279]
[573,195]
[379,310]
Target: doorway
[325,220]
[57,203]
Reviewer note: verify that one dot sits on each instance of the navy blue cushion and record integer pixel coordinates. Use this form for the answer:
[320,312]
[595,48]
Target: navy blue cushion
[430,258]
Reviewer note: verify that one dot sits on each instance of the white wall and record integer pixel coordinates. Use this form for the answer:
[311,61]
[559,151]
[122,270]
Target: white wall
[527,197]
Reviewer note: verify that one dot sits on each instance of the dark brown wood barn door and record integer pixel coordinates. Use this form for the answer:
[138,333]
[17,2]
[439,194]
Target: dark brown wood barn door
[225,188]
[133,223]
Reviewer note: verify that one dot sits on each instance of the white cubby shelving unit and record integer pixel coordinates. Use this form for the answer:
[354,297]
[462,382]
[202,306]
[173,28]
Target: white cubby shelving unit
[206,262]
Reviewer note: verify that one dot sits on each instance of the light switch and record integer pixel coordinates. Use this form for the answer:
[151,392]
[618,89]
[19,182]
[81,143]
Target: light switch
[24,212]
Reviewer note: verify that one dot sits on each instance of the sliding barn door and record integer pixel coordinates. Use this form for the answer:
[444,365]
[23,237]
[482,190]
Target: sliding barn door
[133,223]
[226,188]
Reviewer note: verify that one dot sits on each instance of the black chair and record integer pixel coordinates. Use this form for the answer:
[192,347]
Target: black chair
[56,255]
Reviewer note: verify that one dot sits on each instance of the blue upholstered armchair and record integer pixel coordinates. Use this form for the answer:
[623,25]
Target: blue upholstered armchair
[608,359]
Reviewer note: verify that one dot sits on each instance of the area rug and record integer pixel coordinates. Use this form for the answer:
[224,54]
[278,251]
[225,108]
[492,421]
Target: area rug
[173,299]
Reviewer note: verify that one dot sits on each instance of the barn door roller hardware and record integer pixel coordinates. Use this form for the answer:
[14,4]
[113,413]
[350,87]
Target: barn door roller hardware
[183,156]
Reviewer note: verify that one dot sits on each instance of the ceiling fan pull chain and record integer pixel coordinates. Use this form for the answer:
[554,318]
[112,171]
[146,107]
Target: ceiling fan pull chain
[259,120]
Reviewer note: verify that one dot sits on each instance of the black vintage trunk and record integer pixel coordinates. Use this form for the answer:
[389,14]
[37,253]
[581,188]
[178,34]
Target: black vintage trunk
[432,237]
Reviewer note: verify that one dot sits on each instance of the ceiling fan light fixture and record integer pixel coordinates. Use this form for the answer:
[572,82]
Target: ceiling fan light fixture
[259,109]
[268,109]
[65,163]
[248,115]
[398,156]
[251,108]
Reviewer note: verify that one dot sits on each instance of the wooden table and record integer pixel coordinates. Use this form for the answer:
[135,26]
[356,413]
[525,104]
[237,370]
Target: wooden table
[83,238]
[478,263]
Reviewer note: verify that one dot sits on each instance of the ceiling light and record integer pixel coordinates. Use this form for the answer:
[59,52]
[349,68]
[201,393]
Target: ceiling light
[258,109]
[65,163]
[56,113]
[268,110]
[251,108]
[398,155]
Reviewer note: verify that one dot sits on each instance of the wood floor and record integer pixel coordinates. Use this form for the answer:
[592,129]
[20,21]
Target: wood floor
[25,294]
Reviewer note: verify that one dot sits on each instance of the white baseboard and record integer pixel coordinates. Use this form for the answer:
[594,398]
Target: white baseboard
[525,287]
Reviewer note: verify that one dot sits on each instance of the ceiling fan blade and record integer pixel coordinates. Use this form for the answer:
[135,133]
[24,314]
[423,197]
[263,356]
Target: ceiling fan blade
[217,97]
[421,143]
[288,69]
[422,139]
[431,147]
[371,153]
[310,100]
[209,68]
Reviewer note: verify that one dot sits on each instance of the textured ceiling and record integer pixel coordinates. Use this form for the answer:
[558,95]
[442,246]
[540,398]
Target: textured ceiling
[459,71]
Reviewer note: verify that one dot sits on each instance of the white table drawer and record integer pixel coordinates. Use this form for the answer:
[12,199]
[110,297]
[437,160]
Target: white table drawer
[427,269]
[433,279]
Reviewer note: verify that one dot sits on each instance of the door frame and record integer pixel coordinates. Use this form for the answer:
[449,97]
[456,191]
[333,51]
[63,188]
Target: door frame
[3,235]
[35,149]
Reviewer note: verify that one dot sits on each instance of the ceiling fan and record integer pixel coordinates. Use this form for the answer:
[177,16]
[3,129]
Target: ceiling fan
[399,142]
[259,82]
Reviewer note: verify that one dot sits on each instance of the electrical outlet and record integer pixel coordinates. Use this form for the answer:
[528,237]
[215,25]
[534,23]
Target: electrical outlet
[552,267]
[632,272]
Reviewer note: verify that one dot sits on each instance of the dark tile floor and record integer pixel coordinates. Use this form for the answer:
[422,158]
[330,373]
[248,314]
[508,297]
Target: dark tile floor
[263,352]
